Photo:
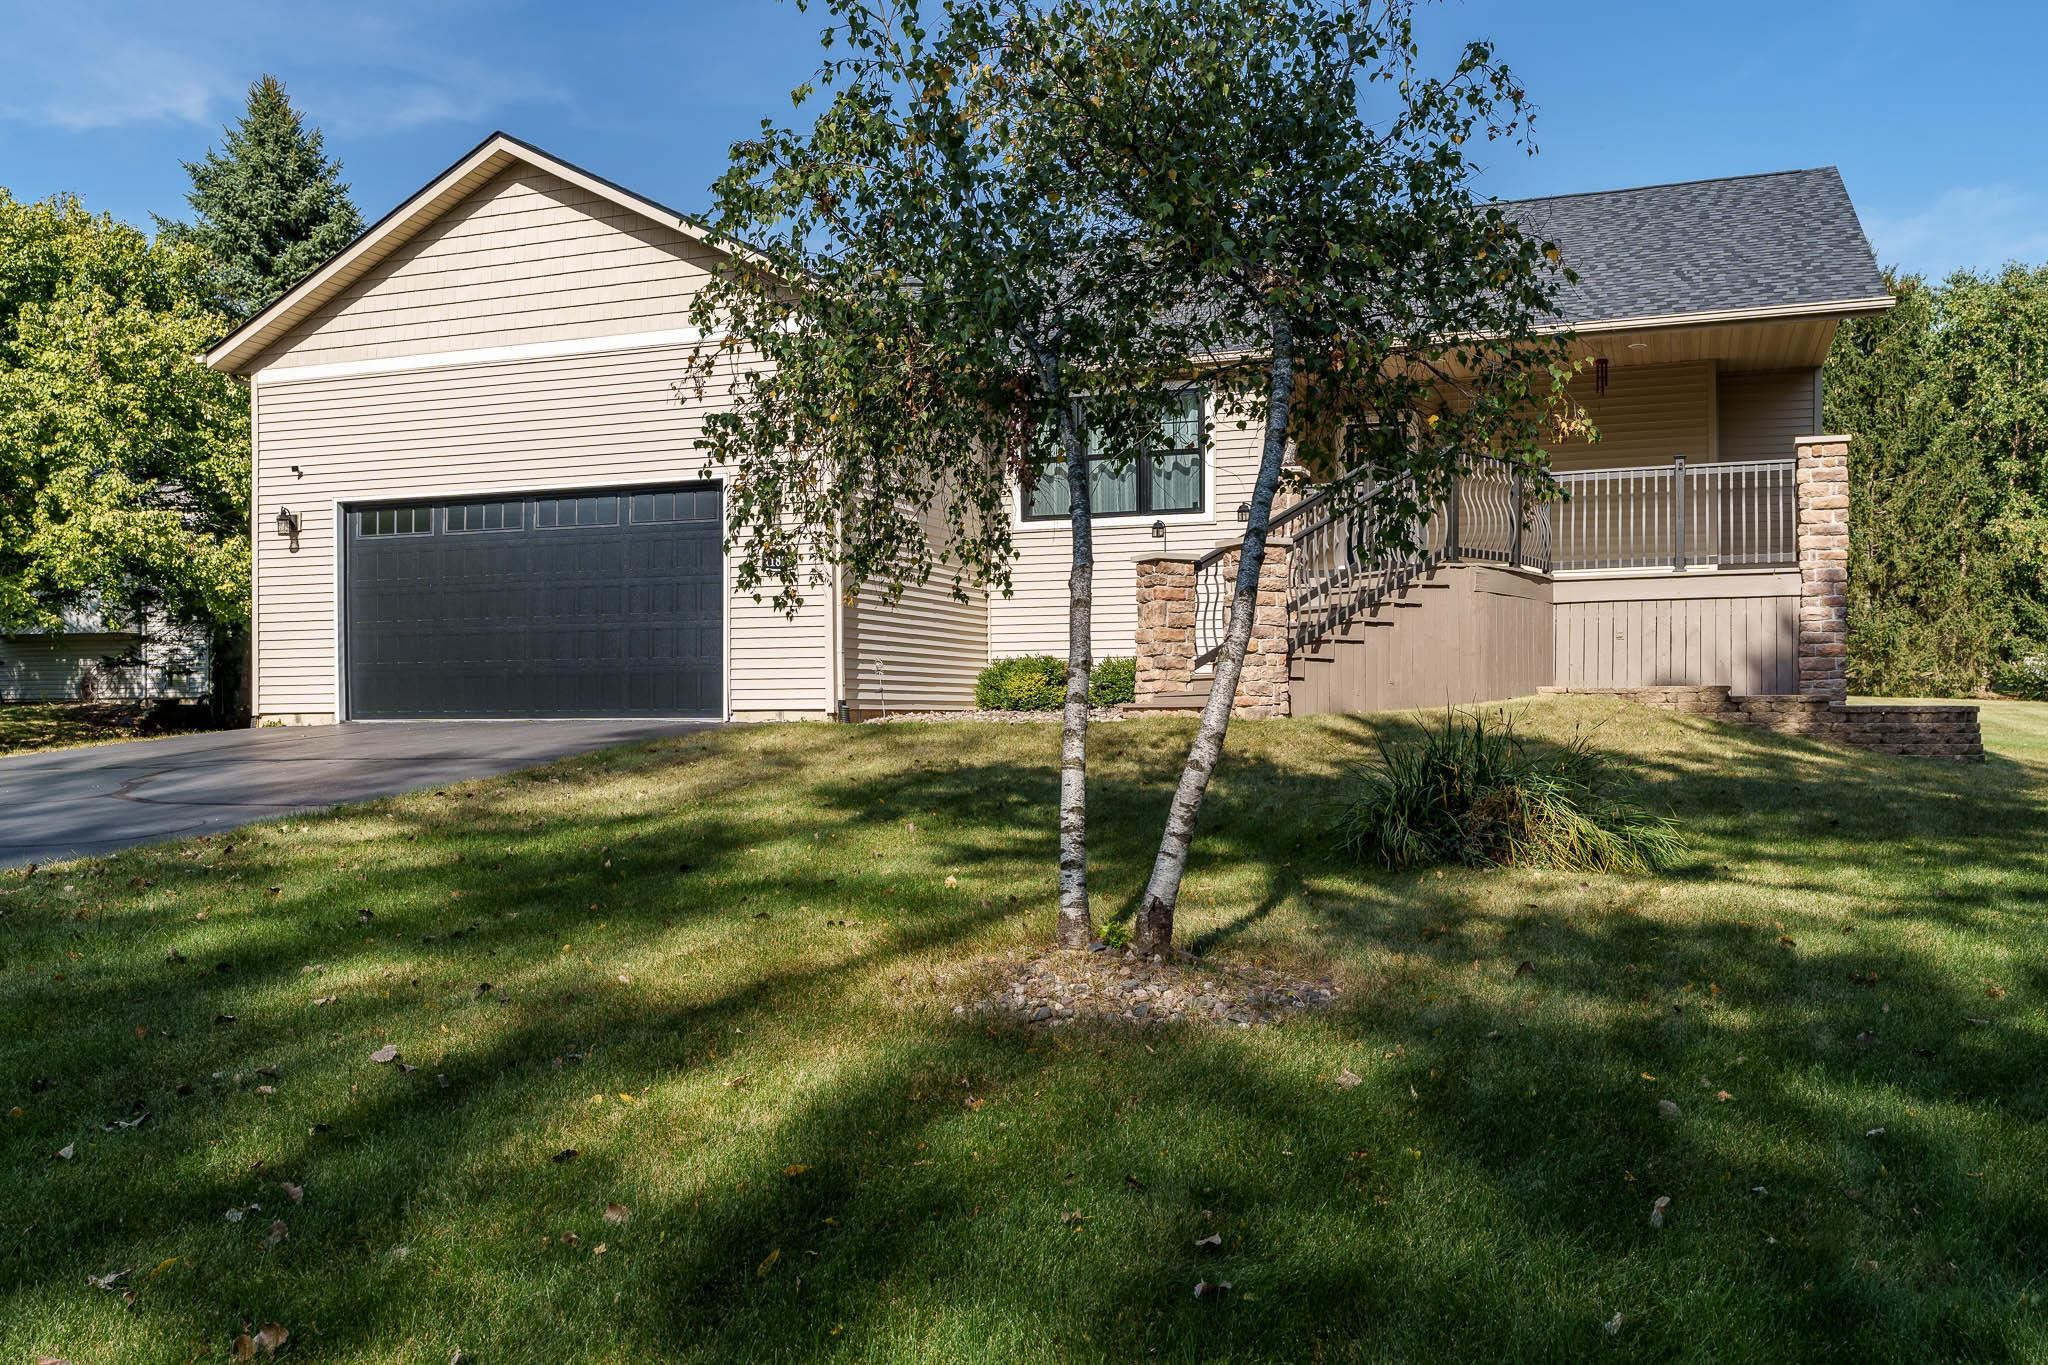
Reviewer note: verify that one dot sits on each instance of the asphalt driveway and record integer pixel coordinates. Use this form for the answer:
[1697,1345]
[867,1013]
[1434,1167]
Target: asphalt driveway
[75,802]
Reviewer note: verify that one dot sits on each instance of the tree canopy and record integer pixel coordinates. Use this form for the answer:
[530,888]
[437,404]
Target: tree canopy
[124,462]
[1947,395]
[267,209]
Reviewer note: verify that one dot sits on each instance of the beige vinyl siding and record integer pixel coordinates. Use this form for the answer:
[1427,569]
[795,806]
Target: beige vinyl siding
[1033,618]
[118,665]
[1733,628]
[1649,414]
[587,420]
[527,258]
[921,652]
[1762,414]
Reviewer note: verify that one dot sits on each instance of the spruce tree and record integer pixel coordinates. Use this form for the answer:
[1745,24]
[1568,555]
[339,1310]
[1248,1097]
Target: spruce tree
[267,209]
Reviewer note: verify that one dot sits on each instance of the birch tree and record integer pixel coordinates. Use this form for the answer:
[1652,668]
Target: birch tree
[923,284]
[1294,164]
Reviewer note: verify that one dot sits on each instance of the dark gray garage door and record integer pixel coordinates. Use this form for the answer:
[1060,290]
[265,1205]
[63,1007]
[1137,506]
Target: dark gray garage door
[597,604]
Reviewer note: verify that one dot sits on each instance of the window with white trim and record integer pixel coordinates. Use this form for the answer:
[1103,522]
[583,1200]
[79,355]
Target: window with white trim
[1167,478]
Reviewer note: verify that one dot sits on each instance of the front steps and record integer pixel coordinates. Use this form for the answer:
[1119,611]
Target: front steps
[1918,730]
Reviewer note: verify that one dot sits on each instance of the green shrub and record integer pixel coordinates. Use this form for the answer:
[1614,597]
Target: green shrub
[1116,934]
[1038,682]
[2025,678]
[1113,683]
[1474,794]
[1035,682]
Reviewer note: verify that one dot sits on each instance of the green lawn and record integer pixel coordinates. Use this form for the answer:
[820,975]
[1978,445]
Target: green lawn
[26,726]
[721,970]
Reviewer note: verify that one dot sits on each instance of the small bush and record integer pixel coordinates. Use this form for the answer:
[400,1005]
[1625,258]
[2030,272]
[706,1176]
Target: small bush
[2025,678]
[1113,683]
[1035,682]
[1038,682]
[1474,794]
[1116,934]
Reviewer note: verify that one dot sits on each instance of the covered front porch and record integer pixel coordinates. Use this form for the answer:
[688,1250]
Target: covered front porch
[1701,540]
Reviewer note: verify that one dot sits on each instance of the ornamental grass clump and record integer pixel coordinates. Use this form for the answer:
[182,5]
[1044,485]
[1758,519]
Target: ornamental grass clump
[1472,793]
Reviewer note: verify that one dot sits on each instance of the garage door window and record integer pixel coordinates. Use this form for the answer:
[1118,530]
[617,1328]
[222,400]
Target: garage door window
[560,513]
[396,521]
[486,516]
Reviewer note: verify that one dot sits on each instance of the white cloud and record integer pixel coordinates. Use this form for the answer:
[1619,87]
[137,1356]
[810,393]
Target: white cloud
[1969,227]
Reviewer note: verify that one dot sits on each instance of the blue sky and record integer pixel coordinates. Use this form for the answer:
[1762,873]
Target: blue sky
[1935,114]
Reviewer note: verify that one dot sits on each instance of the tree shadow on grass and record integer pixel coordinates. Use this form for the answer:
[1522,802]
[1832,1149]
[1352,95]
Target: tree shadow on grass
[1483,1191]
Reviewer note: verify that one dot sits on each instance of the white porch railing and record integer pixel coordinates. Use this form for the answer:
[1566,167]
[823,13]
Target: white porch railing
[1676,516]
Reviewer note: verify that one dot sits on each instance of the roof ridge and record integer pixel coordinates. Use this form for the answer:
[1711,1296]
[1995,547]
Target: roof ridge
[1673,184]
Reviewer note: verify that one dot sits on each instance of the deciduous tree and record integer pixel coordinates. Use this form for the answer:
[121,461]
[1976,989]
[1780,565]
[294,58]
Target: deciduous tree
[124,462]
[1294,164]
[924,286]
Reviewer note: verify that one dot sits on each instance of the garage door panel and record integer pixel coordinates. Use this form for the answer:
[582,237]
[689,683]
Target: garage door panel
[593,604]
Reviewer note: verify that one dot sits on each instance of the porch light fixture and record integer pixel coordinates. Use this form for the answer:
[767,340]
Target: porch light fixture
[1244,511]
[287,522]
[1159,530]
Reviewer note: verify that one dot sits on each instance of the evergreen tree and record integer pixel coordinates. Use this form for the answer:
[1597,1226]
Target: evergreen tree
[269,208]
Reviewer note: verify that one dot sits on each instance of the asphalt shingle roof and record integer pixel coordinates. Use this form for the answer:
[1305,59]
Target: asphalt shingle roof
[1707,246]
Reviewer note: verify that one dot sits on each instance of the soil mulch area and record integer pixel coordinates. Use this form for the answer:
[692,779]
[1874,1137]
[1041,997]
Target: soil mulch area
[1050,990]
[1097,713]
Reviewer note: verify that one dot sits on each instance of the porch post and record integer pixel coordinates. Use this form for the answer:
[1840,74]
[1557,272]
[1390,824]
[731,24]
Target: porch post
[1678,513]
[1821,492]
[1165,642]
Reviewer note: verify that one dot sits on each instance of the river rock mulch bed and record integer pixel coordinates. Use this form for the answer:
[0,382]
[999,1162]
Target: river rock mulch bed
[1095,714]
[1052,990]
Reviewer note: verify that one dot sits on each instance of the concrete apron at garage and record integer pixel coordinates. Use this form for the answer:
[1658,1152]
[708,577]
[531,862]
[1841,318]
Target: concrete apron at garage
[78,802]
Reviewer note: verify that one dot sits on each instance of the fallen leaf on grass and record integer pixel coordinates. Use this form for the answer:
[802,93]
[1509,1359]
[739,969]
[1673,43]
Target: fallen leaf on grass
[267,1340]
[570,1239]
[1347,1079]
[295,1193]
[108,1280]
[1214,1239]
[1657,1210]
[794,1169]
[1723,1096]
[1612,1326]
[767,1264]
[1667,1109]
[616,1213]
[1205,1290]
[386,1053]
[64,1152]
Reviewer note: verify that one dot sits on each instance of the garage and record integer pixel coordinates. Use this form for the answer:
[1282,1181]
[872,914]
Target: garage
[605,602]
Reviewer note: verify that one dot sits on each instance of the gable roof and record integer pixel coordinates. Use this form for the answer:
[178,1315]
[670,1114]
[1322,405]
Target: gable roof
[407,221]
[1787,243]
[1756,246]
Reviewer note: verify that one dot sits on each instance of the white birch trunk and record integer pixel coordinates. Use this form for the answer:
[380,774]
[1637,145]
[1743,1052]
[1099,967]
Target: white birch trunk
[1155,916]
[1076,927]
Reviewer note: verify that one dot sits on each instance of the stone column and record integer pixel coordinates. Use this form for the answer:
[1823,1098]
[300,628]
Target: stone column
[1263,687]
[1166,625]
[1822,494]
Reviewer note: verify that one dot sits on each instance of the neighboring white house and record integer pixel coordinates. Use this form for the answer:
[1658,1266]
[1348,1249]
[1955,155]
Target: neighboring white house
[87,660]
[476,489]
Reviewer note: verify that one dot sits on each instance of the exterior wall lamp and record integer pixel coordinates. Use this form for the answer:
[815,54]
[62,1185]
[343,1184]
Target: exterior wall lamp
[287,522]
[1159,530]
[1244,512]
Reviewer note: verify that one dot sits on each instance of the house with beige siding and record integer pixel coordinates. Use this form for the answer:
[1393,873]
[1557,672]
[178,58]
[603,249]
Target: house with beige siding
[477,491]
